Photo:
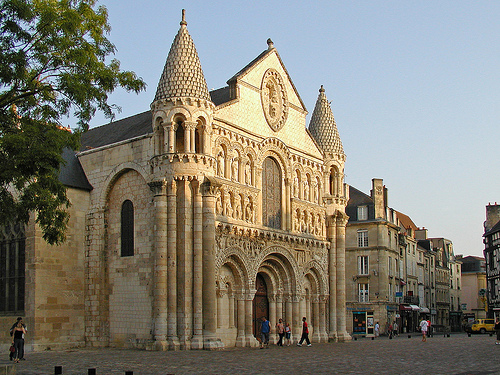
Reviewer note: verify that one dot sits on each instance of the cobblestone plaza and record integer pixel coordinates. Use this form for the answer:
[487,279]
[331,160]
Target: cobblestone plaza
[457,354]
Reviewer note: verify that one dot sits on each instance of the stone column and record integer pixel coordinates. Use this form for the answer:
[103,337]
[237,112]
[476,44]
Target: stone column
[185,262]
[315,319]
[187,137]
[192,132]
[209,189]
[296,318]
[159,190]
[172,338]
[279,308]
[289,312]
[220,296]
[249,339]
[272,317]
[164,146]
[287,217]
[322,320]
[331,233]
[231,310]
[197,340]
[171,136]
[341,295]
[240,338]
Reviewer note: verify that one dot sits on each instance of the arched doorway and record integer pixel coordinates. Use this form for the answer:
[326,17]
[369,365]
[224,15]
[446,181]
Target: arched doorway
[260,304]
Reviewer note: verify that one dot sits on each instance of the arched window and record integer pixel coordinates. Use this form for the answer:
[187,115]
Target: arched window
[271,194]
[179,137]
[127,229]
[198,140]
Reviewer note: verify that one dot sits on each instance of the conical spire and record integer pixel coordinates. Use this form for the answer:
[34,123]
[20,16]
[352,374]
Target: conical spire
[182,75]
[323,127]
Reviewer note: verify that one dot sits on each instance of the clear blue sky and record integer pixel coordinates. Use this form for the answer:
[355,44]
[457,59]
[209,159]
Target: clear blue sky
[414,87]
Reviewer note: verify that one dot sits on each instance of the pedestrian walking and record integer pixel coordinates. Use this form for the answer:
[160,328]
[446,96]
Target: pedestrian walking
[389,331]
[21,353]
[288,333]
[395,328]
[281,331]
[18,341]
[497,330]
[423,328]
[265,330]
[305,333]
[377,329]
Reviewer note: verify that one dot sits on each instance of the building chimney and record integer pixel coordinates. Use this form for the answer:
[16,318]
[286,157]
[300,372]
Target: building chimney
[492,216]
[421,234]
[379,196]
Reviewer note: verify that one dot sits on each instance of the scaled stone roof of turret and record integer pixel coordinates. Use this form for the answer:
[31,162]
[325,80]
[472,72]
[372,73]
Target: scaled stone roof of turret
[182,75]
[322,126]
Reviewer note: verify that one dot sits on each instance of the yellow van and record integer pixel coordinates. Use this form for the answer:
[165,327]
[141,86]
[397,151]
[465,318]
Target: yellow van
[481,326]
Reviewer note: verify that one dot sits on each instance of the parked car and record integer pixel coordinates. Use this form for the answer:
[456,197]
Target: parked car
[481,326]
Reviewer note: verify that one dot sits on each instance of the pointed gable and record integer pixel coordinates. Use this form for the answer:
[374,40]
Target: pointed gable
[323,127]
[182,75]
[261,99]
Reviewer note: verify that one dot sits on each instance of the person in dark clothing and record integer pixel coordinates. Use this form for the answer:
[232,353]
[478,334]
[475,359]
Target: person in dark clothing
[18,340]
[21,354]
[265,330]
[305,333]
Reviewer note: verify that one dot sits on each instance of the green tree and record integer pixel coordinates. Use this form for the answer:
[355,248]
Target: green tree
[54,63]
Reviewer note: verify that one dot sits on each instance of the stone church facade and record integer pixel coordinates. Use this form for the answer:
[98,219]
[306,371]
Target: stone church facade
[193,220]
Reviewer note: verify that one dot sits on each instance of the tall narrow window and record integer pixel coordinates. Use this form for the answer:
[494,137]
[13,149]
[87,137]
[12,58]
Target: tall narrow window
[363,265]
[127,229]
[271,194]
[179,137]
[12,268]
[362,238]
[363,292]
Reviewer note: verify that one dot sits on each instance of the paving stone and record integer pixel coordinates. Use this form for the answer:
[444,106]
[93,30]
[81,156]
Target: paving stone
[458,354]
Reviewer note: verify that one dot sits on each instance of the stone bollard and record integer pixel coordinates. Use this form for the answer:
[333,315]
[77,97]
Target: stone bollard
[409,336]
[92,371]
[57,370]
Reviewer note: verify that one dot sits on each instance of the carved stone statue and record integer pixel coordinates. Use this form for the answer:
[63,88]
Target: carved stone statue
[218,204]
[248,174]
[234,168]
[220,165]
[306,190]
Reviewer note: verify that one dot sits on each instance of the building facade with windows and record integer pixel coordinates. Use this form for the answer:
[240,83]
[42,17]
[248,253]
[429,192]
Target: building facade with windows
[473,291]
[492,257]
[374,266]
[191,221]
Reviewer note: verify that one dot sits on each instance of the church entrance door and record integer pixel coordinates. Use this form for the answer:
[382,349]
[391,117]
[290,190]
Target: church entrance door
[260,305]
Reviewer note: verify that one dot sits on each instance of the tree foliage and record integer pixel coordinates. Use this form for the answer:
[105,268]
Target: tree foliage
[55,64]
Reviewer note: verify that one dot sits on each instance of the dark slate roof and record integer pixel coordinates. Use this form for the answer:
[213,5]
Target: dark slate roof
[221,95]
[425,244]
[357,197]
[121,130]
[71,173]
[496,228]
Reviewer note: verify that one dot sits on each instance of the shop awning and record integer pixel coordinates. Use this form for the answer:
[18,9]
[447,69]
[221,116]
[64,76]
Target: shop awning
[424,310]
[415,307]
